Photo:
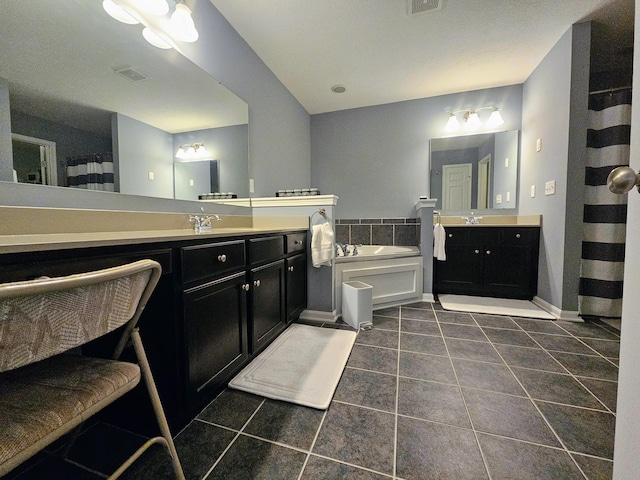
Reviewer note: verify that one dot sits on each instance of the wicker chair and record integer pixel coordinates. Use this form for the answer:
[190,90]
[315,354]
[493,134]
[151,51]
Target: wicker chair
[45,392]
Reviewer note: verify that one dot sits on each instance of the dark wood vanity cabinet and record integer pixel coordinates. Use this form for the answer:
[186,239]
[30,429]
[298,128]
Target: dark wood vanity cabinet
[489,261]
[296,272]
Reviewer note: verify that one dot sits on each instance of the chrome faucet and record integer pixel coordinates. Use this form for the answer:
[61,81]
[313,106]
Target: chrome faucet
[344,247]
[472,219]
[202,223]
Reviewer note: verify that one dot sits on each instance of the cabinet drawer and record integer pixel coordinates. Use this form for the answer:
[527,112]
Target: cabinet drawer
[519,236]
[296,242]
[265,249]
[205,261]
[457,235]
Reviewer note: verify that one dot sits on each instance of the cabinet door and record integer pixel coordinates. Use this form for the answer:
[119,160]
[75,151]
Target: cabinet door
[461,272]
[268,316]
[215,317]
[296,285]
[508,271]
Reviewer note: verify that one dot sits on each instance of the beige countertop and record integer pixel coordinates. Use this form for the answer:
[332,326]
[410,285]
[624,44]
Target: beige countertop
[492,221]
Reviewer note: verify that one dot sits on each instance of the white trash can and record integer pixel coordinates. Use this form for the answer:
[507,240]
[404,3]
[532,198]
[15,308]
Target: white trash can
[357,304]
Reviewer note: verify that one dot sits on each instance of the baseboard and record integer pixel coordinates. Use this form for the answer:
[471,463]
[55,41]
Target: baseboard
[319,316]
[568,315]
[428,297]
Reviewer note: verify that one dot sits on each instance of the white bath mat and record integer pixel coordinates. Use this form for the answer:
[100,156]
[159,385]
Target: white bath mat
[303,365]
[494,306]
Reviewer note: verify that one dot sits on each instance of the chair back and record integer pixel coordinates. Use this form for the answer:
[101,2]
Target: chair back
[47,316]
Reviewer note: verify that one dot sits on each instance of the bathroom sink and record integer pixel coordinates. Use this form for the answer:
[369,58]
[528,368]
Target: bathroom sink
[491,221]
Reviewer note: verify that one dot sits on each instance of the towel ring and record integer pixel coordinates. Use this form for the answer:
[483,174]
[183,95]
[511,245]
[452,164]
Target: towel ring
[322,212]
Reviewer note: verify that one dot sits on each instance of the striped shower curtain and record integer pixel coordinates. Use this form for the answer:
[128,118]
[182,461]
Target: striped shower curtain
[91,172]
[605,213]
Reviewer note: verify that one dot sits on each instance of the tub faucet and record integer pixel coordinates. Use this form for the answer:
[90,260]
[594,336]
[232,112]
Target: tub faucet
[344,247]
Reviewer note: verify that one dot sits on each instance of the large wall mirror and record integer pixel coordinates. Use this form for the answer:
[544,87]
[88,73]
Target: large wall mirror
[92,87]
[475,172]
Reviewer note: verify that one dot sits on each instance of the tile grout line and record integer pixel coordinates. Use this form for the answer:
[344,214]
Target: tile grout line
[395,416]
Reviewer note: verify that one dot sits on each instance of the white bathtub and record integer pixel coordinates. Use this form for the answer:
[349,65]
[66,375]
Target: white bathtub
[394,272]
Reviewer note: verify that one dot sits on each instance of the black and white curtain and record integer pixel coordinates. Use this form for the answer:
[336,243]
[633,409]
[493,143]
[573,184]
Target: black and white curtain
[605,213]
[91,172]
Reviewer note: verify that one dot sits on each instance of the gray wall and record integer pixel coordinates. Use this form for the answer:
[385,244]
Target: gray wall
[505,177]
[376,159]
[6,152]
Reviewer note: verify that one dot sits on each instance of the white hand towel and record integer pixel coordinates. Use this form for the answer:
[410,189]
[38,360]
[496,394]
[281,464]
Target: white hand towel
[322,251]
[438,242]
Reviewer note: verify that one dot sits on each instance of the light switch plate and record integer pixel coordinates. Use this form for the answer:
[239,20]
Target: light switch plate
[508,196]
[533,191]
[151,176]
[192,183]
[550,187]
[538,145]
[499,198]
[506,162]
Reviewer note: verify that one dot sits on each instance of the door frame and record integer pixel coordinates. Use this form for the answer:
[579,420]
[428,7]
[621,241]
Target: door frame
[48,162]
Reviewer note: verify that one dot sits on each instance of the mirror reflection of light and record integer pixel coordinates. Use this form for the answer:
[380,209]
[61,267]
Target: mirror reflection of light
[119,13]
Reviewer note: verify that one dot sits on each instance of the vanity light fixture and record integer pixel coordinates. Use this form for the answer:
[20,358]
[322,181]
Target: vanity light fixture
[160,29]
[191,151]
[472,119]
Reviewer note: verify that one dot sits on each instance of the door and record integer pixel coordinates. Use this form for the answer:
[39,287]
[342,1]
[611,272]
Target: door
[296,285]
[456,186]
[268,316]
[34,160]
[484,178]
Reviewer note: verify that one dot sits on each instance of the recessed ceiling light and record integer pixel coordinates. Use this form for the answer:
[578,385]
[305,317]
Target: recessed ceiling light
[338,89]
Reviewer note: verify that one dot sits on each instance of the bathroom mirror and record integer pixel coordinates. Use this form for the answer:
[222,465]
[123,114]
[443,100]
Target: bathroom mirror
[475,172]
[90,84]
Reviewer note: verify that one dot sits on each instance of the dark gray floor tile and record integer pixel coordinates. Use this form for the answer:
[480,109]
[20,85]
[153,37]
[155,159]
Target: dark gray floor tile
[252,459]
[464,332]
[427,367]
[419,326]
[509,416]
[358,436]
[384,360]
[422,344]
[587,330]
[605,390]
[368,389]
[54,468]
[595,468]
[606,348]
[509,337]
[581,430]
[286,423]
[455,317]
[555,387]
[537,325]
[561,343]
[432,401]
[417,314]
[232,408]
[472,350]
[319,468]
[388,312]
[486,376]
[386,323]
[496,321]
[587,366]
[527,357]
[378,338]
[430,450]
[420,305]
[508,459]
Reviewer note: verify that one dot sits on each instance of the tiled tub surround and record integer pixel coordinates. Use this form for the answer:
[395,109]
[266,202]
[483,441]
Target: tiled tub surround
[379,231]
[426,394]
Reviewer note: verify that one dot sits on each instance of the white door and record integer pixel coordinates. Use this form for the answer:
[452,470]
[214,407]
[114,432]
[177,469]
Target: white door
[456,187]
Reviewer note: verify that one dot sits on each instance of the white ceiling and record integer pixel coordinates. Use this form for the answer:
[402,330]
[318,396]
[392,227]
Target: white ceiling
[381,54]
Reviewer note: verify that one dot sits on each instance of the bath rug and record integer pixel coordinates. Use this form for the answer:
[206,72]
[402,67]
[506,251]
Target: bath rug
[303,366]
[493,306]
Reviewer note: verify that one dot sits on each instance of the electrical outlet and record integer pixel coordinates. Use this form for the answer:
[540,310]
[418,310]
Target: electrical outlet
[533,191]
[151,176]
[499,198]
[550,187]
[538,145]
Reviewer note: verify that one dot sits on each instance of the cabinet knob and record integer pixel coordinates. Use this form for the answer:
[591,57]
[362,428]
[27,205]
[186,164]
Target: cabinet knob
[488,252]
[291,268]
[517,235]
[245,287]
[451,235]
[477,251]
[256,283]
[222,258]
[297,242]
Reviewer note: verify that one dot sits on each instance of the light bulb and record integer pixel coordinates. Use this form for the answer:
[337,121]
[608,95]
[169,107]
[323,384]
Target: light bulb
[119,13]
[495,119]
[181,153]
[181,24]
[472,119]
[191,152]
[154,39]
[452,123]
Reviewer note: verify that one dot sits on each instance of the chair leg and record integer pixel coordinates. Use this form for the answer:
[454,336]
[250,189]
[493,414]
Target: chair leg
[155,400]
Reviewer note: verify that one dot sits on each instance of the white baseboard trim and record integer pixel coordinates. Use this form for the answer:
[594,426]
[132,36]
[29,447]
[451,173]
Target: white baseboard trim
[569,315]
[319,316]
[428,297]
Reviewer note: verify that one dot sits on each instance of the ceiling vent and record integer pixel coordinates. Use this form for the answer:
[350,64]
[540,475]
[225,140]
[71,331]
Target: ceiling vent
[130,73]
[423,6]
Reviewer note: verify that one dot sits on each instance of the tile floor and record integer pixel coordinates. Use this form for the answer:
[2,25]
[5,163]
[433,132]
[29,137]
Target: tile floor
[426,394]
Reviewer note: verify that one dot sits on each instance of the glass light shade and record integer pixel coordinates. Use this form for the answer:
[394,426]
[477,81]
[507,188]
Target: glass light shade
[495,119]
[181,153]
[452,123]
[200,150]
[117,12]
[181,24]
[153,7]
[191,152]
[154,39]
[472,119]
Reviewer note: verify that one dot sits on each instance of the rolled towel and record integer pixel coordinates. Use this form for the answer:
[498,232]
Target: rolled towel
[438,242]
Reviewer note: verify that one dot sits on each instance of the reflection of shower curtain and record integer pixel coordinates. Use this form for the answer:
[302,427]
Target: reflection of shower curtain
[605,213]
[92,172]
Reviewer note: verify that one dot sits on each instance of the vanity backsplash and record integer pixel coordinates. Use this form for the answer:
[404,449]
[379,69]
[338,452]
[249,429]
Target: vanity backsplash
[378,231]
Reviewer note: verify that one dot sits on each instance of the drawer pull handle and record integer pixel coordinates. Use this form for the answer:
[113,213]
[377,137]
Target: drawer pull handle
[222,258]
[517,235]
[297,242]
[488,252]
[477,251]
[291,268]
[256,283]
[245,287]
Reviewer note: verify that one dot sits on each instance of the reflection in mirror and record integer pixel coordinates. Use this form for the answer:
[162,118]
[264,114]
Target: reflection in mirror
[91,85]
[474,172]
